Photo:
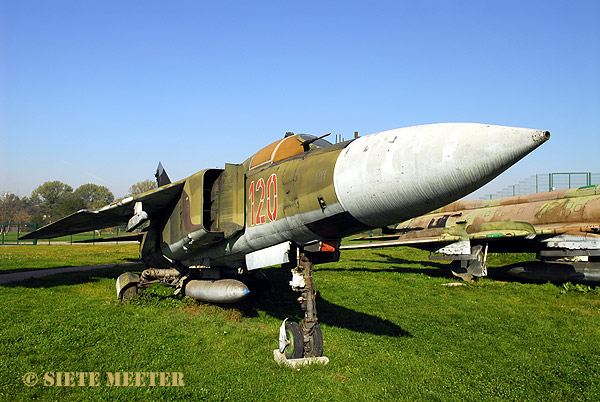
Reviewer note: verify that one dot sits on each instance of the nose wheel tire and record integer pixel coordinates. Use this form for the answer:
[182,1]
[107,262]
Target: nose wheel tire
[295,345]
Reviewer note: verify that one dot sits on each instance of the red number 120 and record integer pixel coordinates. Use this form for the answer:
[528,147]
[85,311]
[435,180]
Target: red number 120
[256,218]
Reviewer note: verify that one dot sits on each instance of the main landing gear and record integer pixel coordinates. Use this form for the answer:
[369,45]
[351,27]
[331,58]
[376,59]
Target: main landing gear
[209,285]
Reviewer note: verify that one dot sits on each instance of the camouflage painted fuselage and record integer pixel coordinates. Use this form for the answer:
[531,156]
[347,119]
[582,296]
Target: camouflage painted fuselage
[291,193]
[557,220]
[249,207]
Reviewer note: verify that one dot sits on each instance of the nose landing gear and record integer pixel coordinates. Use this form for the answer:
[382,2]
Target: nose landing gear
[303,344]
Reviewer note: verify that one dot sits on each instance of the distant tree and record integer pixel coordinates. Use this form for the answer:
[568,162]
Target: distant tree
[14,209]
[39,218]
[142,187]
[94,196]
[50,192]
[7,206]
[67,205]
[52,198]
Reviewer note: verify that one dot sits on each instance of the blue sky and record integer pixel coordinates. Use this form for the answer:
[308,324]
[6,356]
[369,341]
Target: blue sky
[101,90]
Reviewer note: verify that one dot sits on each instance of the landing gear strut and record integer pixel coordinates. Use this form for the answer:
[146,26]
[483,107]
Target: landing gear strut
[474,267]
[129,284]
[311,332]
[308,333]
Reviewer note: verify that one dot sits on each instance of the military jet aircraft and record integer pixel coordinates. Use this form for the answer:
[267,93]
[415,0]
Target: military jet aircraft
[556,225]
[291,203]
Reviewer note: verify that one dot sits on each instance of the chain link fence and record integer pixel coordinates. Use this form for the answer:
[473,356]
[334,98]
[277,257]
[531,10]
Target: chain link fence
[10,233]
[540,183]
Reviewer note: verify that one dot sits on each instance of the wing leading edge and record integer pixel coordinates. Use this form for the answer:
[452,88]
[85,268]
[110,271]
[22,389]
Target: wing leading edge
[488,231]
[425,242]
[153,203]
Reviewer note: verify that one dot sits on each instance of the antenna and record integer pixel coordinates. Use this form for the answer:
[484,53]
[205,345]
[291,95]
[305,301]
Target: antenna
[307,143]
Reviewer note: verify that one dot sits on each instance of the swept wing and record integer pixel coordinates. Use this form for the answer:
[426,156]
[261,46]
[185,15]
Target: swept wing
[153,203]
[488,231]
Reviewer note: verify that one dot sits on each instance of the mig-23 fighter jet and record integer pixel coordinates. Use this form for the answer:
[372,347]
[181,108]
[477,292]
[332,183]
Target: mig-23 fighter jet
[291,203]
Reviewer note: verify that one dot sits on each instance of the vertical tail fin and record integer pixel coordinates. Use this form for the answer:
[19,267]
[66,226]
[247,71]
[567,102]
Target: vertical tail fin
[162,178]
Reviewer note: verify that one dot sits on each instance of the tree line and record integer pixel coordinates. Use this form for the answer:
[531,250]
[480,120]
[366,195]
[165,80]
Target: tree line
[54,200]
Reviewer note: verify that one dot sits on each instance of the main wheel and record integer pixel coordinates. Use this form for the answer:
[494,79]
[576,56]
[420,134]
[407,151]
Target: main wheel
[295,347]
[130,291]
[314,348]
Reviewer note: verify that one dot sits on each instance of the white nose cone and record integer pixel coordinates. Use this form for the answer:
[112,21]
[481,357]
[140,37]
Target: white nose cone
[394,175]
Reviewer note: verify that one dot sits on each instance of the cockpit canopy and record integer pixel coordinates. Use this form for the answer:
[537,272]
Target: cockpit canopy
[287,147]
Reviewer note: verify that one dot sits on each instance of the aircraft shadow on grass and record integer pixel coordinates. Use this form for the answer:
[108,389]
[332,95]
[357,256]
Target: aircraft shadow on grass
[26,269]
[436,270]
[72,278]
[399,265]
[443,270]
[281,303]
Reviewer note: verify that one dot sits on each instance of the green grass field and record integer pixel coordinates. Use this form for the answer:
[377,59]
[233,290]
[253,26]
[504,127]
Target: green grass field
[391,328]
[26,257]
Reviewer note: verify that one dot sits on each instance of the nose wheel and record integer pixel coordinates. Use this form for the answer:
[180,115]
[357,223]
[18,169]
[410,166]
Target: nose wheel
[293,345]
[290,340]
